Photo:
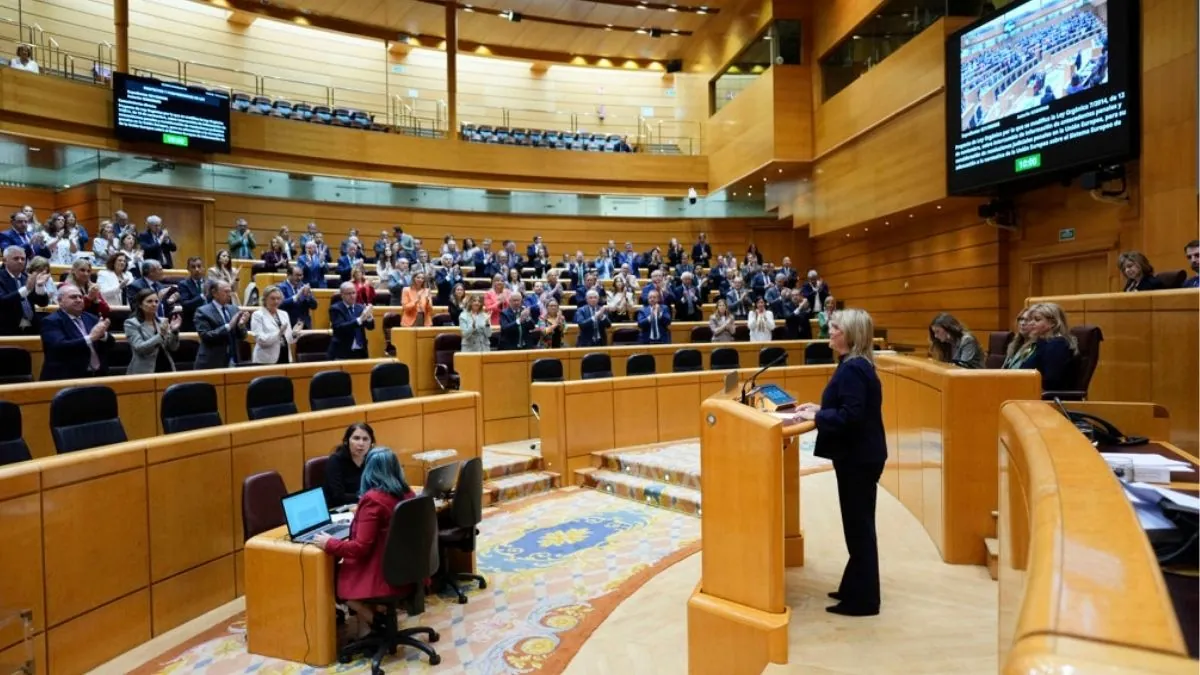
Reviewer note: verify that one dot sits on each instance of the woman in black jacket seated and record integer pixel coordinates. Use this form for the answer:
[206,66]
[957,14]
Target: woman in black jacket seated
[1138,273]
[1048,347]
[850,432]
[343,472]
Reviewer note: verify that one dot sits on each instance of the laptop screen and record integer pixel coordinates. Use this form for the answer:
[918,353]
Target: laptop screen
[305,510]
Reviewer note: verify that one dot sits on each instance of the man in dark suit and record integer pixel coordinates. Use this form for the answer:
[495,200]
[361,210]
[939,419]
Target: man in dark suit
[221,326]
[298,300]
[593,321]
[18,234]
[701,251]
[793,309]
[1193,254]
[20,293]
[577,271]
[687,300]
[654,321]
[74,342]
[516,325]
[347,262]
[791,278]
[156,243]
[191,292]
[151,278]
[350,323]
[531,251]
[815,290]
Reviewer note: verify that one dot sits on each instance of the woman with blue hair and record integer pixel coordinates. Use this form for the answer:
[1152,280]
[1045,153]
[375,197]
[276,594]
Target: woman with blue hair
[360,575]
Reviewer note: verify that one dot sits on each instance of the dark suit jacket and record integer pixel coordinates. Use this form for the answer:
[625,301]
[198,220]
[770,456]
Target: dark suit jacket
[645,321]
[1056,362]
[344,321]
[134,288]
[216,340]
[10,237]
[346,265]
[681,307]
[66,351]
[701,253]
[1146,284]
[314,271]
[152,250]
[850,421]
[191,296]
[297,308]
[514,333]
[806,290]
[10,302]
[591,332]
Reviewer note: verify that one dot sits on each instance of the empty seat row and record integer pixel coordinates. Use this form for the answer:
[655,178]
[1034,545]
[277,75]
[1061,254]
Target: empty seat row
[88,417]
[304,112]
[599,364]
[549,138]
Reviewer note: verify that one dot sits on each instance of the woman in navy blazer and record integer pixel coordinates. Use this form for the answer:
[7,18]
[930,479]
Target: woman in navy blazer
[1048,348]
[850,432]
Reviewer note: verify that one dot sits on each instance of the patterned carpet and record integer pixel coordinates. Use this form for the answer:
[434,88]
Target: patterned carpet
[556,567]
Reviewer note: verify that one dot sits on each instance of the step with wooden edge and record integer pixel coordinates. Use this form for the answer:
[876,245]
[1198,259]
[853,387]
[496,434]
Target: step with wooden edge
[519,486]
[677,464]
[499,464]
[993,557]
[642,490]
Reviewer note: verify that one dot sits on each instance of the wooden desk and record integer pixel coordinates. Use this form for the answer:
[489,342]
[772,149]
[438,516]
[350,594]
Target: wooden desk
[1151,352]
[290,597]
[290,610]
[1080,589]
[737,616]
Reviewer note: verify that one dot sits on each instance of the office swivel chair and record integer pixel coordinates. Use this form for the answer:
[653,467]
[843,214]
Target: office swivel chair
[595,365]
[389,382]
[724,358]
[818,353]
[16,366]
[85,417]
[547,370]
[12,444]
[769,354]
[270,396]
[640,364]
[466,512]
[189,405]
[331,389]
[687,361]
[410,556]
[314,472]
[262,503]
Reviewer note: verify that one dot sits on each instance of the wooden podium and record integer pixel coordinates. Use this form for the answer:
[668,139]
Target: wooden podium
[750,533]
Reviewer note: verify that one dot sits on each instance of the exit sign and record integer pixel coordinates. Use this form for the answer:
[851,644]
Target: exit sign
[1066,234]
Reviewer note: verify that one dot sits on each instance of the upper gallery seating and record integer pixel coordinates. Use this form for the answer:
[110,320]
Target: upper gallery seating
[549,138]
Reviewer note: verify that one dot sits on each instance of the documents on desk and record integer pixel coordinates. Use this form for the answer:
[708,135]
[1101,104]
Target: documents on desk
[1146,501]
[1148,468]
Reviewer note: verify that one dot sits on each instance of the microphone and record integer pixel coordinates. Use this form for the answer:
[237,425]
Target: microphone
[749,383]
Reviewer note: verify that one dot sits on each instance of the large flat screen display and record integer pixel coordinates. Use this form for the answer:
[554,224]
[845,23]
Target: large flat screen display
[1040,89]
[146,110]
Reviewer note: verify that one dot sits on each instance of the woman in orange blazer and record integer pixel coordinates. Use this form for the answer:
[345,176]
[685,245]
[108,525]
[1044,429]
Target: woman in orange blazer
[416,303]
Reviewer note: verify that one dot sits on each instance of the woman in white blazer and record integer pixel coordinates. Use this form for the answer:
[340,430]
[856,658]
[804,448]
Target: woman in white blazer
[273,335]
[761,322]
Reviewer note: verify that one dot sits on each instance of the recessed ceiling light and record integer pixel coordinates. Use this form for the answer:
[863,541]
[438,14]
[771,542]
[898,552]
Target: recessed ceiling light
[702,10]
[764,179]
[910,215]
[35,149]
[866,229]
[735,194]
[640,31]
[939,206]
[847,234]
[781,171]
[608,26]
[857,37]
[887,222]
[468,8]
[672,9]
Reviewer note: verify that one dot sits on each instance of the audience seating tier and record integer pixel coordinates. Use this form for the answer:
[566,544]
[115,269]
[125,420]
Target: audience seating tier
[1061,511]
[112,546]
[941,424]
[1150,352]
[139,397]
[502,377]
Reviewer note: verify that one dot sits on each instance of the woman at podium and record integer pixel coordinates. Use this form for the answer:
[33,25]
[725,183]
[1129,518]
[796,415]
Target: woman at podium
[850,432]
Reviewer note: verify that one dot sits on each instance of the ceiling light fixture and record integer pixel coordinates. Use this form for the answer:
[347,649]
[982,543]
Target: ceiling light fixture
[702,10]
[608,26]
[672,8]
[640,31]
[468,8]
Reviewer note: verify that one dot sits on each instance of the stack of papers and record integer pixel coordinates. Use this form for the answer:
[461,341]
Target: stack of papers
[787,417]
[1147,468]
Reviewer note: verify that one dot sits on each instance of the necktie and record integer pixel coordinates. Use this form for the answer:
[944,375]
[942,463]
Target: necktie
[653,325]
[231,349]
[357,344]
[26,306]
[94,362]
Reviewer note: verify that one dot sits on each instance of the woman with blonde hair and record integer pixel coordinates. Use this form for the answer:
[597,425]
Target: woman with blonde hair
[1138,273]
[722,323]
[476,326]
[849,422]
[1048,347]
[620,301]
[105,242]
[951,342]
[273,334]
[416,303]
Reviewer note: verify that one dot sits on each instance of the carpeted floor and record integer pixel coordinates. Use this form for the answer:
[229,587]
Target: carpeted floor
[556,566]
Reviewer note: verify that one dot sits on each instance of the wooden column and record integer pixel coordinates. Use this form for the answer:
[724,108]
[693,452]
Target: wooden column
[452,69]
[121,29]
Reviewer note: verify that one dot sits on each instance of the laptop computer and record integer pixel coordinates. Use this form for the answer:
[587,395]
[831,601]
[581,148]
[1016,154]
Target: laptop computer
[308,515]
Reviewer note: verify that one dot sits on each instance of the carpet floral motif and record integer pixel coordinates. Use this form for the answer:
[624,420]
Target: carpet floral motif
[556,566]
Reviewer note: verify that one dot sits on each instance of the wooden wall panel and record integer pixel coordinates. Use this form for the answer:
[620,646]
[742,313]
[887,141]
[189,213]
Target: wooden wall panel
[909,272]
[183,597]
[900,165]
[100,635]
[908,76]
[13,199]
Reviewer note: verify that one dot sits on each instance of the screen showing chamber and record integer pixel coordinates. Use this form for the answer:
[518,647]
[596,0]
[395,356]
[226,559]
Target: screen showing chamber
[171,114]
[1042,87]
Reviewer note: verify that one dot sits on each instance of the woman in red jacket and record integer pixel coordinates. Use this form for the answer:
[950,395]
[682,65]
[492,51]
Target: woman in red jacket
[360,576]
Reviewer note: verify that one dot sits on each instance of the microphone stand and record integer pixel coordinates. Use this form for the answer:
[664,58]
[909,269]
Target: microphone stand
[749,383]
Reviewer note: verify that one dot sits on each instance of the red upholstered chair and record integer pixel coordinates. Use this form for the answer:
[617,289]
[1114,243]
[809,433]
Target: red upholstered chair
[1172,278]
[445,346]
[997,348]
[314,472]
[262,503]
